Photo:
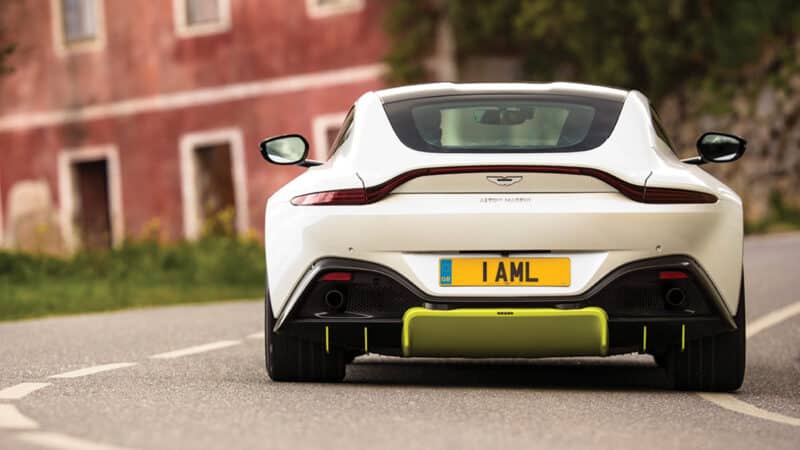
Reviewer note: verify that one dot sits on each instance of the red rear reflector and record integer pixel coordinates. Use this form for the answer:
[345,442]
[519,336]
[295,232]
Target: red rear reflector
[337,276]
[672,275]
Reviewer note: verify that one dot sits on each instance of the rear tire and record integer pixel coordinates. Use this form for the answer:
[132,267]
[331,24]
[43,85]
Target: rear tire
[713,363]
[292,359]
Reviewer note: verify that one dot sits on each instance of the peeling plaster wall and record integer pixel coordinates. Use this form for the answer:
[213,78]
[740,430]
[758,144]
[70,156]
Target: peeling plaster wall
[33,223]
[144,58]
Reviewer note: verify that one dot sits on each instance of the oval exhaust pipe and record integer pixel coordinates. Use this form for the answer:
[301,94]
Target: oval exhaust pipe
[675,297]
[335,300]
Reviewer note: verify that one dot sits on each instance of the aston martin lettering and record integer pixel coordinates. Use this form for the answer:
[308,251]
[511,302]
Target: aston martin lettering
[499,200]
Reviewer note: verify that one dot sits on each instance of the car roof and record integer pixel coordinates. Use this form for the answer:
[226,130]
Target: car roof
[442,89]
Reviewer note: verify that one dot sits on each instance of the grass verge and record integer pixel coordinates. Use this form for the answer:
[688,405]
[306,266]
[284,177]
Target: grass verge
[142,273]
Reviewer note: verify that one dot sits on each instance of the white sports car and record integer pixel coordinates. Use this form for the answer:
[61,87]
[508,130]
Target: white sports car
[505,220]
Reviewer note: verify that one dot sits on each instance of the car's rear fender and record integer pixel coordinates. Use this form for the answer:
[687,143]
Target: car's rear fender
[598,231]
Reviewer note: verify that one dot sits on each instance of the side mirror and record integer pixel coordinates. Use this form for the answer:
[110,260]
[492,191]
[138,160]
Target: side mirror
[718,148]
[286,150]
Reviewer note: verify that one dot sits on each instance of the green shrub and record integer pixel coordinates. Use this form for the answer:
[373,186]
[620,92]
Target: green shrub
[138,273]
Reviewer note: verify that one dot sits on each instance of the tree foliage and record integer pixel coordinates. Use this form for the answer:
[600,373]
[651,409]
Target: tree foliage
[412,24]
[653,45]
[6,48]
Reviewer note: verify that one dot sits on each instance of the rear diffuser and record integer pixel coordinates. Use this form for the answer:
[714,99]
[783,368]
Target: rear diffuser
[507,332]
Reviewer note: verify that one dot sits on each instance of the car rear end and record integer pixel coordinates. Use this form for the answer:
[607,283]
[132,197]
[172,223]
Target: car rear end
[509,232]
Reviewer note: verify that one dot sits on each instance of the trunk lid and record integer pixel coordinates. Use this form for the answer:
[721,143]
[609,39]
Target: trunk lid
[502,183]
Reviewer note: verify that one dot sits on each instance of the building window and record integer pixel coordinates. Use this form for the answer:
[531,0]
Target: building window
[213,183]
[90,196]
[77,25]
[324,8]
[202,12]
[325,128]
[201,17]
[79,19]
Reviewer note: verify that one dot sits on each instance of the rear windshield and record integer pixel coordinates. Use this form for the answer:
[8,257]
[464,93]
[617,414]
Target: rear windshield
[502,123]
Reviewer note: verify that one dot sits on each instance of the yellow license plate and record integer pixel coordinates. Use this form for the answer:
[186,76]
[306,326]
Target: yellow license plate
[504,272]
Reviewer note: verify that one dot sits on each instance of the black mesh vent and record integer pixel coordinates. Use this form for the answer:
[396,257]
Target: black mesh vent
[643,294]
[367,294]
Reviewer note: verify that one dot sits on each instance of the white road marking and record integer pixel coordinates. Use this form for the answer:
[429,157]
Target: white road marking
[93,370]
[732,403]
[256,335]
[11,418]
[771,319]
[20,390]
[196,349]
[62,441]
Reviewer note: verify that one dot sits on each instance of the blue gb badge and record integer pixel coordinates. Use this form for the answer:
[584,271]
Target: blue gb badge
[445,272]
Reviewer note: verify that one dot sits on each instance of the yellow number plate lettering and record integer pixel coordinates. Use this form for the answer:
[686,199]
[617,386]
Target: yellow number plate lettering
[504,272]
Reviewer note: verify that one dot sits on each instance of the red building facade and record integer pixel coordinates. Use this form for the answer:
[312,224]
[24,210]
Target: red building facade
[122,117]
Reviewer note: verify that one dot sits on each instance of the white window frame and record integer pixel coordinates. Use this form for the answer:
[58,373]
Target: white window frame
[187,30]
[67,191]
[60,44]
[188,143]
[316,11]
[319,126]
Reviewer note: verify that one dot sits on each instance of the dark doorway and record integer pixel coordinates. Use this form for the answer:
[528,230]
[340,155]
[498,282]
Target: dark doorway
[215,193]
[92,212]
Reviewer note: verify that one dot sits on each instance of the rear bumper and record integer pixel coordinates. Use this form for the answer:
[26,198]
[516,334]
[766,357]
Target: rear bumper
[599,232]
[599,322]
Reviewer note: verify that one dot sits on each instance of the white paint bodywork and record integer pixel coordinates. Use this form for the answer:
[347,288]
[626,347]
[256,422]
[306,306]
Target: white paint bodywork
[569,215]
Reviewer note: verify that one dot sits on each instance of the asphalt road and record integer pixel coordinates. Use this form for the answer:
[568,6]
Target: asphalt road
[218,395]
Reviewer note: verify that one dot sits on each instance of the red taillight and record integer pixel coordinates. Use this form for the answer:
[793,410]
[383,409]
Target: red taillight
[672,275]
[342,197]
[337,276]
[376,193]
[665,195]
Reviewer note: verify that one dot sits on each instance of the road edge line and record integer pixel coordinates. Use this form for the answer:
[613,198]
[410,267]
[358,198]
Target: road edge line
[772,318]
[732,403]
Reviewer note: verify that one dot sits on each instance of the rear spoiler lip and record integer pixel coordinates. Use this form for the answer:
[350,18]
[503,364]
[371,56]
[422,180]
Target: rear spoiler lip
[372,194]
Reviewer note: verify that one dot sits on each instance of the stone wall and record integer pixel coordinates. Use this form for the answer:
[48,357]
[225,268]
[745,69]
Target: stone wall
[767,114]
